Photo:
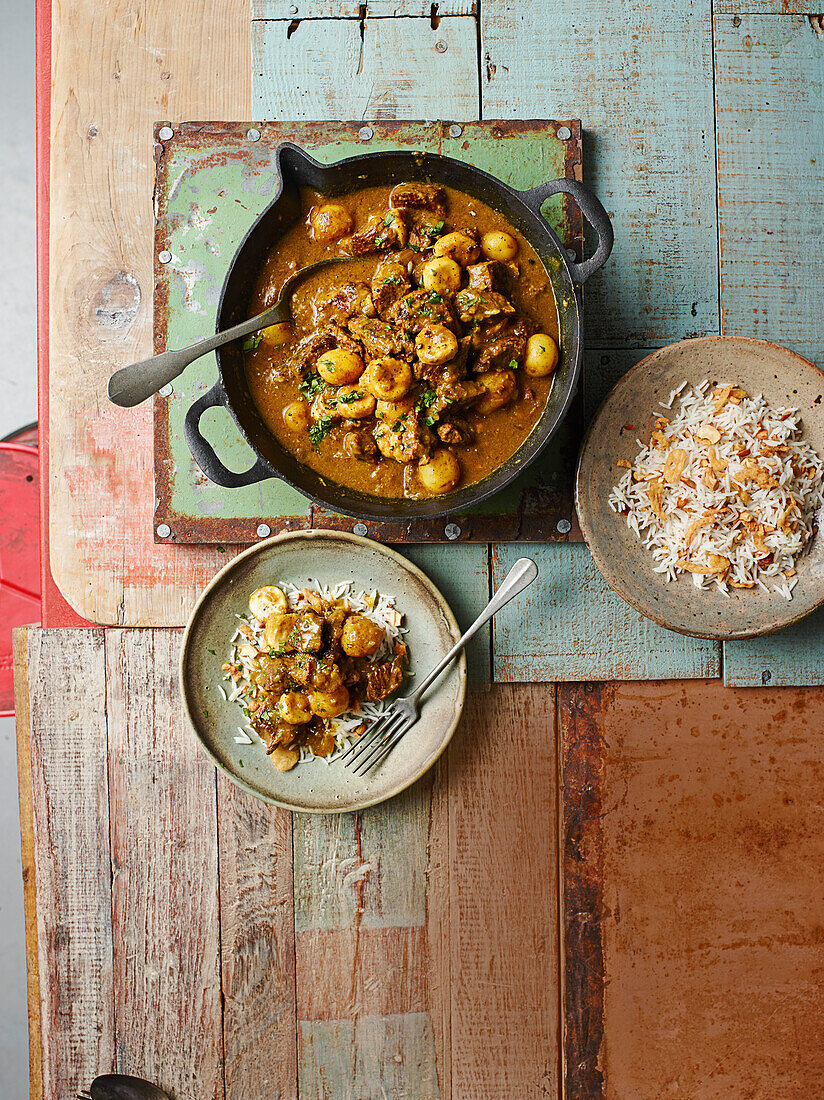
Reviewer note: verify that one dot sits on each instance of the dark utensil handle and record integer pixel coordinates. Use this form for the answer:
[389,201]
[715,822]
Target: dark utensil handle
[203,452]
[592,210]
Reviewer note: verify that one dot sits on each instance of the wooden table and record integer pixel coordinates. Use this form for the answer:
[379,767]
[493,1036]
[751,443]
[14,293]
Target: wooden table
[636,913]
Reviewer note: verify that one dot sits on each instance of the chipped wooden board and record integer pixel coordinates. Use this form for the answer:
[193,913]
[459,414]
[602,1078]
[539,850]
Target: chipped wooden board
[693,866]
[641,77]
[346,9]
[323,69]
[569,625]
[118,68]
[771,203]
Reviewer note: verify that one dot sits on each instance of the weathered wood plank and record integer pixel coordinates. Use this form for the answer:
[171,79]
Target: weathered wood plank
[771,202]
[257,946]
[165,913]
[569,625]
[766,7]
[323,69]
[67,702]
[117,68]
[643,89]
[704,840]
[503,882]
[346,9]
[22,715]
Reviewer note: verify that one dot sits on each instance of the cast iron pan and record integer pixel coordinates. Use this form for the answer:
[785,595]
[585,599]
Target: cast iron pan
[521,208]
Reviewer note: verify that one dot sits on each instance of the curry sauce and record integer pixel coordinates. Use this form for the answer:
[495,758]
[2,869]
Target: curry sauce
[424,361]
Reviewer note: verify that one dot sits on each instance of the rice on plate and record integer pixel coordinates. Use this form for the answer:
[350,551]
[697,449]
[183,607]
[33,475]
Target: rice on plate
[727,490]
[310,667]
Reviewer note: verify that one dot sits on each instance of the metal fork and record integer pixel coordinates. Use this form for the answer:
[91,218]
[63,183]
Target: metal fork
[386,731]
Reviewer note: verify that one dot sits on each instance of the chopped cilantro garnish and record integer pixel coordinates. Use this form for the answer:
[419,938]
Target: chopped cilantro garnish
[348,398]
[212,652]
[435,297]
[513,364]
[311,385]
[319,430]
[251,342]
[388,219]
[429,421]
[380,242]
[425,401]
[393,280]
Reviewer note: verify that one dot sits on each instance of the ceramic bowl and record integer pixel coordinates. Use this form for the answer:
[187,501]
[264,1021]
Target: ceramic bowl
[784,378]
[330,557]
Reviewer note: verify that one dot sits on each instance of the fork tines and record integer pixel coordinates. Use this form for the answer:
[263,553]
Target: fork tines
[364,753]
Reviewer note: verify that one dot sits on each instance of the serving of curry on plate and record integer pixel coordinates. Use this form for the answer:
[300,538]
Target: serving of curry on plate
[423,362]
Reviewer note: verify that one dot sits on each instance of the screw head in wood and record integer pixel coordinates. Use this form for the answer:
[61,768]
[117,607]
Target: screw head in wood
[166,391]
[366,133]
[264,530]
[165,256]
[360,529]
[564,133]
[452,531]
[165,133]
[253,134]
[163,530]
[455,130]
[441,46]
[564,526]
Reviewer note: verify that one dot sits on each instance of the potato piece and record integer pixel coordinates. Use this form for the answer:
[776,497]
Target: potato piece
[361,637]
[265,601]
[498,245]
[442,473]
[436,344]
[296,416]
[330,222]
[393,410]
[293,708]
[387,379]
[339,366]
[501,389]
[441,275]
[284,759]
[329,704]
[353,402]
[541,355]
[274,336]
[277,630]
[459,247]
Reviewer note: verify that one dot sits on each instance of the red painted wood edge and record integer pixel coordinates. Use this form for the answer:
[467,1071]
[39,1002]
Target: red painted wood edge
[54,610]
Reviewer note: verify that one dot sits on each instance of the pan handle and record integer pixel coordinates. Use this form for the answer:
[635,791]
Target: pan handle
[592,210]
[203,452]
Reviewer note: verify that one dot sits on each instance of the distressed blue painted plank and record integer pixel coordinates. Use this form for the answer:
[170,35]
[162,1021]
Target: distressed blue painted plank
[771,202]
[569,625]
[639,75]
[322,69]
[351,9]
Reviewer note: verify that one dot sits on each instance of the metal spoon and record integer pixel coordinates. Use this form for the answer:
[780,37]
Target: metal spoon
[119,1086]
[135,383]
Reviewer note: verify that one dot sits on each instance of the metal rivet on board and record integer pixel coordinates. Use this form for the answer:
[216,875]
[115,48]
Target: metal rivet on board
[766,676]
[441,46]
[164,256]
[571,253]
[564,526]
[293,10]
[564,133]
[165,391]
[165,132]
[455,130]
[452,531]
[736,20]
[253,134]
[366,133]
[264,530]
[163,530]
[361,529]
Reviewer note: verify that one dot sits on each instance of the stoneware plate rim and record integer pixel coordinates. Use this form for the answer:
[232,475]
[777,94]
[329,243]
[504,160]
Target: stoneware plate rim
[360,544]
[620,580]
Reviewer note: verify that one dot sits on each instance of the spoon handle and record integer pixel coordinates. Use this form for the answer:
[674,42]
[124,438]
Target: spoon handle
[133,384]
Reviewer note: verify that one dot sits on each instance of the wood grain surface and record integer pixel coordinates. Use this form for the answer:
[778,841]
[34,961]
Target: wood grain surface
[223,948]
[698,848]
[347,9]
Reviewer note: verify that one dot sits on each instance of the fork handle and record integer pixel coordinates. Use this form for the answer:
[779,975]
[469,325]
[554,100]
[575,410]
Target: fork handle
[519,577]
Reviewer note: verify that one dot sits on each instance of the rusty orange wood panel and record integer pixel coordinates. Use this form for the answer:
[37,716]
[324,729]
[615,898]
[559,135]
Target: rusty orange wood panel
[693,878]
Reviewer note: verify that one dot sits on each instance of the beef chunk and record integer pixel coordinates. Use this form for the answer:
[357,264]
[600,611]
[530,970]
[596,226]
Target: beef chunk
[418,196]
[490,275]
[381,339]
[310,349]
[358,444]
[473,305]
[420,308]
[508,345]
[344,302]
[389,283]
[383,679]
[455,432]
[405,440]
[382,234]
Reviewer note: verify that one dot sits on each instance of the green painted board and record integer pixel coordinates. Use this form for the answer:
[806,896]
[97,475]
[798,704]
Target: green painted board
[569,625]
[771,202]
[213,179]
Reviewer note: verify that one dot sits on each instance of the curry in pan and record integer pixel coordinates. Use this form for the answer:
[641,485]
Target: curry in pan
[423,362]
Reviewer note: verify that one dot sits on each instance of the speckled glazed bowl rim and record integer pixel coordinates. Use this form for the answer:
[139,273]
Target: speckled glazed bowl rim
[357,543]
[617,578]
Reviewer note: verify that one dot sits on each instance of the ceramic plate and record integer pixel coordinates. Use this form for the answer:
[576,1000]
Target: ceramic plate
[330,557]
[784,378]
